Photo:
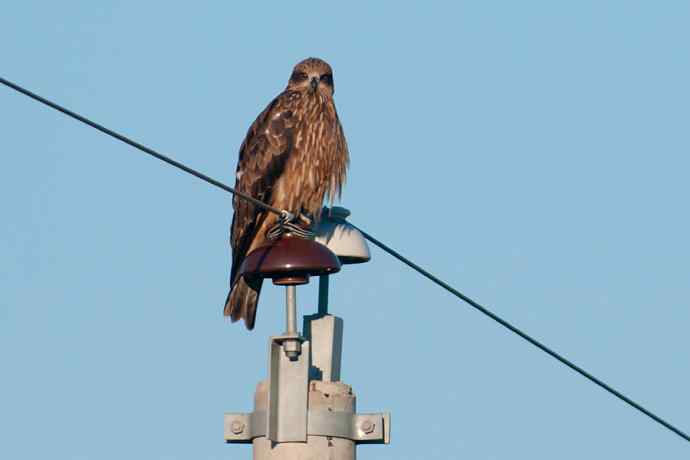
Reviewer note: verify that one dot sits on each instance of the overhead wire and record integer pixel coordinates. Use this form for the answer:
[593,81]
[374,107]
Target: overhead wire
[141,147]
[520,333]
[366,235]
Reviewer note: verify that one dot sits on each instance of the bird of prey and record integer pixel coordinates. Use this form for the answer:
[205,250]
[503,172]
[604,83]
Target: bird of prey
[293,156]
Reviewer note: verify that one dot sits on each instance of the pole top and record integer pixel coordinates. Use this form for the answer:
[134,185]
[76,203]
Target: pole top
[290,260]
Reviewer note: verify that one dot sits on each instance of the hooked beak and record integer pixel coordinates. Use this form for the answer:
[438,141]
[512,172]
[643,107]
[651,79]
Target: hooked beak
[314,83]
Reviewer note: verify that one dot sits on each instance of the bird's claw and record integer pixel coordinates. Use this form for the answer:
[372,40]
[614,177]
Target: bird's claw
[305,219]
[286,216]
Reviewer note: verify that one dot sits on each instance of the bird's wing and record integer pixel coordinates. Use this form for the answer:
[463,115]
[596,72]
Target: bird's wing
[263,154]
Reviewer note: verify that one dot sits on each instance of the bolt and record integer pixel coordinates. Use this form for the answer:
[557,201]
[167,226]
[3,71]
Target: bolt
[368,426]
[293,348]
[237,427]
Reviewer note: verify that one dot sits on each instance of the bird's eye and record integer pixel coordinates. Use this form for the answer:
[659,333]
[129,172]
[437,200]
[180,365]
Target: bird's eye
[327,78]
[299,76]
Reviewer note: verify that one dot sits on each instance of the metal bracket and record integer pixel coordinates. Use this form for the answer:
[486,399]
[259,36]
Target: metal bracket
[288,407]
[242,428]
[288,376]
[325,332]
[360,428]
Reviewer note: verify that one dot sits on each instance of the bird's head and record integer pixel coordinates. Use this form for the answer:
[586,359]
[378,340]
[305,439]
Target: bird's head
[312,75]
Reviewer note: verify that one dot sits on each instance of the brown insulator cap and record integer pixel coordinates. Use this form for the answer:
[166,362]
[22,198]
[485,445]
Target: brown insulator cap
[290,260]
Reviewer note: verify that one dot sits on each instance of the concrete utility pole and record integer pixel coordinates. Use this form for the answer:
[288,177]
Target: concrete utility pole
[303,411]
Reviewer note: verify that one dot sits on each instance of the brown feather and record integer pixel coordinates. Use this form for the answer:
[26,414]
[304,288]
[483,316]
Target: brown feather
[242,301]
[294,155]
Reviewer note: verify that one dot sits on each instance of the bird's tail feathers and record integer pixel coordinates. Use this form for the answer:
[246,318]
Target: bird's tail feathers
[242,301]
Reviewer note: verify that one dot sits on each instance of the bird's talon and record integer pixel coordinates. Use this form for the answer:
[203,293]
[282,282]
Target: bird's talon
[286,216]
[305,219]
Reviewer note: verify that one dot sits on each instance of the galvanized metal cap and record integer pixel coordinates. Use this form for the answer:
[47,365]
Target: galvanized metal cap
[341,237]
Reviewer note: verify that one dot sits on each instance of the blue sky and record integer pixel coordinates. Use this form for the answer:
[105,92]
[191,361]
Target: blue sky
[534,154]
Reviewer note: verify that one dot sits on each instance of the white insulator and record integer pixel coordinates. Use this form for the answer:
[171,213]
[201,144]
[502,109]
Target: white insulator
[342,238]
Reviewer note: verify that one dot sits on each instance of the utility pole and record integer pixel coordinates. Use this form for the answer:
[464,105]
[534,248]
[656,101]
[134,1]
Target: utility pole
[303,411]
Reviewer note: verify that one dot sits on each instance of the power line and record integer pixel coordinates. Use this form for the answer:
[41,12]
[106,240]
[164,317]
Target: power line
[522,334]
[373,240]
[139,146]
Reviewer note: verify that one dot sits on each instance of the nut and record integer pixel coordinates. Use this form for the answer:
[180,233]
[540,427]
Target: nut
[368,426]
[237,427]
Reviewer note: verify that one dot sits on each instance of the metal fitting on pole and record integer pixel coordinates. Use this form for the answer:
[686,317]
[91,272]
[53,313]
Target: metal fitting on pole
[303,410]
